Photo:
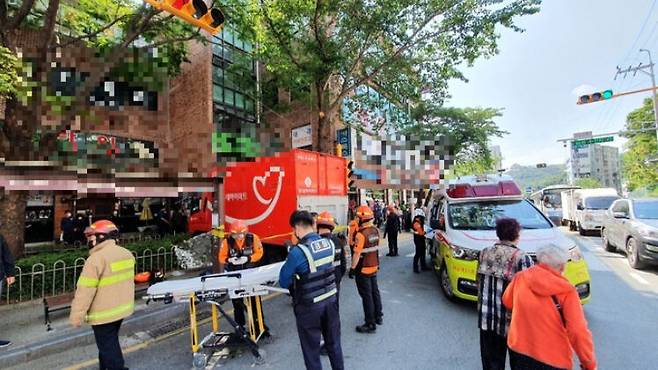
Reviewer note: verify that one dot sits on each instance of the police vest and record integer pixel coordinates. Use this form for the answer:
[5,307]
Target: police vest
[338,247]
[370,253]
[247,250]
[319,283]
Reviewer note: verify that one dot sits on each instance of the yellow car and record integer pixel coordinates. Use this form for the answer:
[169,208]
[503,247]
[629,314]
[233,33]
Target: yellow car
[468,210]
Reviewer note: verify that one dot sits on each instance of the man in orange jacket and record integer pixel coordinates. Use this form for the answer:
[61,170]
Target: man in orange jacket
[548,323]
[240,250]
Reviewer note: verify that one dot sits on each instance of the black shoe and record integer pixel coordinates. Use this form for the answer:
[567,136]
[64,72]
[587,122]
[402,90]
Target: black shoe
[4,343]
[379,321]
[389,255]
[323,350]
[366,328]
[426,269]
[417,271]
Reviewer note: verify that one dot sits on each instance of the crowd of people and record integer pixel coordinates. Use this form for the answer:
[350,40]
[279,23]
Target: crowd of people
[525,309]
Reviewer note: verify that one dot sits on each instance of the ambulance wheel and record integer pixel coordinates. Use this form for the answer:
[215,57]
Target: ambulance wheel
[446,285]
[199,361]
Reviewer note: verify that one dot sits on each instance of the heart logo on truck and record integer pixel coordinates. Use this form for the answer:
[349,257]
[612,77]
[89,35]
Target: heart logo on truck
[261,180]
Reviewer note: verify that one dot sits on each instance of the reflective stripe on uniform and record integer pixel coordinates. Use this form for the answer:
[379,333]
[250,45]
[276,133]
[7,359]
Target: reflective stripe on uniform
[324,296]
[122,265]
[372,249]
[104,314]
[87,282]
[323,261]
[128,275]
[309,257]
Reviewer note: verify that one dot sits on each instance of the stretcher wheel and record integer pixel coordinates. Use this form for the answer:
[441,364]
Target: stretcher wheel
[199,361]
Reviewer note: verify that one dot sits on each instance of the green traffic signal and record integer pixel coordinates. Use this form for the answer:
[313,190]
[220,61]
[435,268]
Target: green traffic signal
[594,97]
[607,94]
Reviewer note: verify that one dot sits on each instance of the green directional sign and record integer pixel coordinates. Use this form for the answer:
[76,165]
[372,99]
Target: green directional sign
[586,142]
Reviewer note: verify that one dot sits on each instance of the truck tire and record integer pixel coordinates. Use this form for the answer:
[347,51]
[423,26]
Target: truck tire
[572,226]
[581,231]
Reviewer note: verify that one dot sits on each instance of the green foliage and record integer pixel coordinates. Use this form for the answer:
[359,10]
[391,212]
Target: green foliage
[588,183]
[62,281]
[399,47]
[9,67]
[538,178]
[468,129]
[638,171]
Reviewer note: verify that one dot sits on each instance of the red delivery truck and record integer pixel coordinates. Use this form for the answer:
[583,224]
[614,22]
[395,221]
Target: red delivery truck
[264,193]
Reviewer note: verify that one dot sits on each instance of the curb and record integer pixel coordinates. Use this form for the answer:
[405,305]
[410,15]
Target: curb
[80,337]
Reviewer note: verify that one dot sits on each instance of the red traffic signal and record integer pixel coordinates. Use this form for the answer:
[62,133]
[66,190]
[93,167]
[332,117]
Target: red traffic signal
[194,12]
[597,96]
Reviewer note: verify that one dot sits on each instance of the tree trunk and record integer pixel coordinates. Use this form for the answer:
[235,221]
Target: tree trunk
[12,220]
[325,138]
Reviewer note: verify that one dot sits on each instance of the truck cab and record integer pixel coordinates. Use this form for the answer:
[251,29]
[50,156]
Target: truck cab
[468,209]
[584,209]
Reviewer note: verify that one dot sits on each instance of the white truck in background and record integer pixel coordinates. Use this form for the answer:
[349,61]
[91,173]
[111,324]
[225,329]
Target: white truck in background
[584,209]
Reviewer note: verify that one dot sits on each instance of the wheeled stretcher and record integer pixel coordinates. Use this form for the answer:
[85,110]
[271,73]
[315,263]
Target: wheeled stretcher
[249,285]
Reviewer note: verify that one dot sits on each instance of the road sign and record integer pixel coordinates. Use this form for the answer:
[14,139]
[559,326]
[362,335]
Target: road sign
[345,139]
[586,142]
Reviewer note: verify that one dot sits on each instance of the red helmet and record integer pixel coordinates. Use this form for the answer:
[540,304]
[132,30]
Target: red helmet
[238,227]
[364,213]
[326,219]
[101,227]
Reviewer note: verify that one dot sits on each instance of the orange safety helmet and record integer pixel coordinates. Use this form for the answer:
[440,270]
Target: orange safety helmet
[326,219]
[364,213]
[238,227]
[143,277]
[101,227]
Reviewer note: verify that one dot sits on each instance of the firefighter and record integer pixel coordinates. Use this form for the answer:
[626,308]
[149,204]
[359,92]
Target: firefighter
[352,228]
[105,292]
[418,227]
[365,263]
[239,251]
[309,274]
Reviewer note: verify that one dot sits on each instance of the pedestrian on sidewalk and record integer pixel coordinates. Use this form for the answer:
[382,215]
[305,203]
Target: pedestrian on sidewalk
[309,275]
[365,264]
[548,323]
[419,242]
[6,273]
[391,230]
[497,266]
[105,293]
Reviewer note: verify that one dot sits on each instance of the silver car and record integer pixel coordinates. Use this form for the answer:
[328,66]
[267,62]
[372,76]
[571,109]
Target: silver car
[631,225]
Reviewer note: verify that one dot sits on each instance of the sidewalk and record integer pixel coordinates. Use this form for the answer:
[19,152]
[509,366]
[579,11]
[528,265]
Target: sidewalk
[23,324]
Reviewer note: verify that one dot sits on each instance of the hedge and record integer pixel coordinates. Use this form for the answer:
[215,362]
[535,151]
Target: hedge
[64,280]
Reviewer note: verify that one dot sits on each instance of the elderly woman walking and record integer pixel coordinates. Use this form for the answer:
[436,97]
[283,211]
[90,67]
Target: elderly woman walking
[497,266]
[548,323]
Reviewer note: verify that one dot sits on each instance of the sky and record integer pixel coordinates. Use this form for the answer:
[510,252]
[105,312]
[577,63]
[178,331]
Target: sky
[570,45]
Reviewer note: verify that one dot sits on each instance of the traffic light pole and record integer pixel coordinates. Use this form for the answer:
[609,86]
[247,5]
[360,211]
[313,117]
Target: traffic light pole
[648,70]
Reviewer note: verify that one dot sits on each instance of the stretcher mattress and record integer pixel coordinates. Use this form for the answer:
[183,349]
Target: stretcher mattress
[181,289]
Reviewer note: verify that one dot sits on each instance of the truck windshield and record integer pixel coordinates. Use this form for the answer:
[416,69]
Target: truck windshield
[553,198]
[483,215]
[599,202]
[647,209]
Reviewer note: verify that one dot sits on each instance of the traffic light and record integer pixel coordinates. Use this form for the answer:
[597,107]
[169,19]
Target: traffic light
[194,12]
[597,96]
[350,173]
[541,165]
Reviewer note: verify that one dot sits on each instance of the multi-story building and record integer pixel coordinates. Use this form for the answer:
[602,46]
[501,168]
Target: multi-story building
[594,160]
[497,157]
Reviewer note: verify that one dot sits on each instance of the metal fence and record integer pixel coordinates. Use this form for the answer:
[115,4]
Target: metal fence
[60,278]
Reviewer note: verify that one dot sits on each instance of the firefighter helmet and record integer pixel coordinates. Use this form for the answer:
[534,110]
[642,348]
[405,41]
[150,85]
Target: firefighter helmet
[364,213]
[238,227]
[101,227]
[326,219]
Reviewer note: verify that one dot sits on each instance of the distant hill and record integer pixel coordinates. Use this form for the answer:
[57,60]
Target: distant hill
[538,178]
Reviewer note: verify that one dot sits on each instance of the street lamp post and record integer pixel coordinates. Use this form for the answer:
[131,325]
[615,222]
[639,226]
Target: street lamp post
[655,93]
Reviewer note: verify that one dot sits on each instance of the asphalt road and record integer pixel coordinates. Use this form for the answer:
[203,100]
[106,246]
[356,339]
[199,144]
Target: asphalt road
[422,330]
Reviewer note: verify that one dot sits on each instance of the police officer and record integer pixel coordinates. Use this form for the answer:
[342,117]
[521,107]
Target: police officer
[365,263]
[419,241]
[309,274]
[105,292]
[239,251]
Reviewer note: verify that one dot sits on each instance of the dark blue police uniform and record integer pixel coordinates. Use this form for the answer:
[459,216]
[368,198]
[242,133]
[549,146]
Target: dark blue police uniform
[309,274]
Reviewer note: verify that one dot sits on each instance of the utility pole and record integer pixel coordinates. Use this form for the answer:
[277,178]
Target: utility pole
[648,70]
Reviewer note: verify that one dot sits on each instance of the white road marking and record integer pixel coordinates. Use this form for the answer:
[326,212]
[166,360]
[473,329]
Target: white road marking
[410,255]
[639,278]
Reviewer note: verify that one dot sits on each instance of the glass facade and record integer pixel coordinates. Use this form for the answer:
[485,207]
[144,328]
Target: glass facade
[234,91]
[369,109]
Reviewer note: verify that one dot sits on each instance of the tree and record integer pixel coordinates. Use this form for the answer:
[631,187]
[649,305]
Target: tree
[637,169]
[588,183]
[403,48]
[468,130]
[114,29]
